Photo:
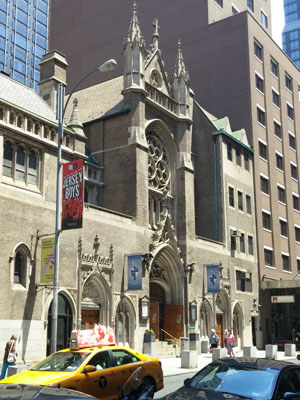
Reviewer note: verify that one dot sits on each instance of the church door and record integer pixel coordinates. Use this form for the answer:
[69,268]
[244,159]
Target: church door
[89,318]
[219,328]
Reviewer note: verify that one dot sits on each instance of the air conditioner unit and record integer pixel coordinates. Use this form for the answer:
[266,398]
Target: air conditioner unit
[236,233]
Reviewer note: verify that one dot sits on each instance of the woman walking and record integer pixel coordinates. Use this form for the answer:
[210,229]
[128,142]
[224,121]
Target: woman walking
[230,343]
[10,347]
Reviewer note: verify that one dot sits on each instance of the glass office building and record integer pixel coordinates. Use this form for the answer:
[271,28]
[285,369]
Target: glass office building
[23,38]
[291,31]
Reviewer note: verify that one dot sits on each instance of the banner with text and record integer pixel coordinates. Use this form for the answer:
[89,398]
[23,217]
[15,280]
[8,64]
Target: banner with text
[213,278]
[72,201]
[47,260]
[135,272]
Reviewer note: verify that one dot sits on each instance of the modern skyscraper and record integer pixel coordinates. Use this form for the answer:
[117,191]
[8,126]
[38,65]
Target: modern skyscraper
[291,32]
[23,38]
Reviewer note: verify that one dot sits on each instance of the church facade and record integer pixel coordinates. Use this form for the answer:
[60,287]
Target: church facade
[166,183]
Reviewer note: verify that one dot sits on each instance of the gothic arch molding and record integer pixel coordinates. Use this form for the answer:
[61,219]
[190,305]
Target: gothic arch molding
[166,270]
[96,290]
[238,323]
[223,304]
[125,321]
[205,318]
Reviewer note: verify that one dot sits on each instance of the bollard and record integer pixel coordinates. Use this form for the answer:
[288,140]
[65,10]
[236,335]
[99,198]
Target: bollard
[249,351]
[150,348]
[219,352]
[290,349]
[204,346]
[189,359]
[271,351]
[15,369]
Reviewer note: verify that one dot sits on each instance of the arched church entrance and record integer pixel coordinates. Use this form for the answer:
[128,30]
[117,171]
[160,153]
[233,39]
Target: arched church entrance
[95,303]
[166,297]
[64,323]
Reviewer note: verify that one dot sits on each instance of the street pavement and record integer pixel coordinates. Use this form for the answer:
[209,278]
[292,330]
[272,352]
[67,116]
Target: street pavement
[172,366]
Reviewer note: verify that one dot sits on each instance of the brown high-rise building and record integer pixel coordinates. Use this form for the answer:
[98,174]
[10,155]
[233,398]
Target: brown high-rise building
[237,70]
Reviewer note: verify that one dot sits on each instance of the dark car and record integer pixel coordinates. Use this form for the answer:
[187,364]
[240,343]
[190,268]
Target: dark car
[236,378]
[12,391]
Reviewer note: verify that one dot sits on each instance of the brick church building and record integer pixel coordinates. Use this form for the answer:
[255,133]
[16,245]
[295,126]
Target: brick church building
[164,180]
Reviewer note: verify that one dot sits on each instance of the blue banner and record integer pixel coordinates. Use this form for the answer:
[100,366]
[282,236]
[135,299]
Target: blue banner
[213,278]
[135,272]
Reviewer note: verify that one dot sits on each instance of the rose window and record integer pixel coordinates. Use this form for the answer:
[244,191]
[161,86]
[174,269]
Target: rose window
[158,169]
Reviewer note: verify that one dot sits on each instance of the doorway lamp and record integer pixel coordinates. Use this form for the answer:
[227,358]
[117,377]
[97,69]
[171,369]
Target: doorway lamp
[61,109]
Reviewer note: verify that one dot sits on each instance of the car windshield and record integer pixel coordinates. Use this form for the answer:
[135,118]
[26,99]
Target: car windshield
[246,382]
[62,361]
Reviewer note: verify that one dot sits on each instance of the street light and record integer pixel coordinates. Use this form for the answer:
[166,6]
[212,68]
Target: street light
[61,109]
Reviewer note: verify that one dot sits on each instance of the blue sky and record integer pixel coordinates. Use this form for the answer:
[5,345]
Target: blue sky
[277,20]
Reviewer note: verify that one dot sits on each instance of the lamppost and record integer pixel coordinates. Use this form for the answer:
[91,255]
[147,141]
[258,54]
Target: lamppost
[61,109]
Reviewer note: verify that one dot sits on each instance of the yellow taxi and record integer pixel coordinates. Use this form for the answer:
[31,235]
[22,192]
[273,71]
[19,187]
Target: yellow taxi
[93,370]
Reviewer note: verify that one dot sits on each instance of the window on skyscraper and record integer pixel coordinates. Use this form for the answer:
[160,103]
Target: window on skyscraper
[250,5]
[264,19]
[264,184]
[266,220]
[292,141]
[219,2]
[268,255]
[283,227]
[296,202]
[297,233]
[279,161]
[294,171]
[288,82]
[263,150]
[240,201]
[285,262]
[229,151]
[281,194]
[259,83]
[238,158]
[275,98]
[274,67]
[258,50]
[277,129]
[261,116]
[290,111]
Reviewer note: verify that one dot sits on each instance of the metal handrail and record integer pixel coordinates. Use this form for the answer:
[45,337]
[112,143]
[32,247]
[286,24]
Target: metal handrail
[171,336]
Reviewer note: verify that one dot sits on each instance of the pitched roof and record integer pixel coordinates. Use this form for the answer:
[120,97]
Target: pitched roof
[25,98]
[99,100]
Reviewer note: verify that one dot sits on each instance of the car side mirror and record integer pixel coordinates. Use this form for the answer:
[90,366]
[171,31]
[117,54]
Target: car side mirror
[186,381]
[298,356]
[89,368]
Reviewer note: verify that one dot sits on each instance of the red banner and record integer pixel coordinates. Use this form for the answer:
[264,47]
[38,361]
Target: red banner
[100,335]
[72,197]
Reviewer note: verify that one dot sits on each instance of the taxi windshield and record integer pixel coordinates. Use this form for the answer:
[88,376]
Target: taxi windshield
[62,361]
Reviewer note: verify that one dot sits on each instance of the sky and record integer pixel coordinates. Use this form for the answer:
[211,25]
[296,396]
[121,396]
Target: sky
[277,20]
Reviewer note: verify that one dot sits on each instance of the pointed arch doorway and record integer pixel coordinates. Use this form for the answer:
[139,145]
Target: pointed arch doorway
[166,299]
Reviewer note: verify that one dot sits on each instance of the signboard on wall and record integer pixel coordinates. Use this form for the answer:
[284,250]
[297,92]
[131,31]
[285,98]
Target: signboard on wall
[213,278]
[135,272]
[47,260]
[282,299]
[72,196]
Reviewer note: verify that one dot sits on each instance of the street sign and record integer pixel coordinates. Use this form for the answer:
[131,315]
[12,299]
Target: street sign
[282,299]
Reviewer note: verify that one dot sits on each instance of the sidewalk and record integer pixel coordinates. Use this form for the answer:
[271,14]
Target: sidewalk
[172,366]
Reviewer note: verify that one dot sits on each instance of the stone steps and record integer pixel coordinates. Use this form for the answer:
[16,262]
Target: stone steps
[167,349]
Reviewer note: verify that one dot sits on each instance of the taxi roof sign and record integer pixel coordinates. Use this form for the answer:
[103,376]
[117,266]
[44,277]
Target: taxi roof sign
[100,335]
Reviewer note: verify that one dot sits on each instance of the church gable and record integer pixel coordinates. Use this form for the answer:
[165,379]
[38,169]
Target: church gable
[155,73]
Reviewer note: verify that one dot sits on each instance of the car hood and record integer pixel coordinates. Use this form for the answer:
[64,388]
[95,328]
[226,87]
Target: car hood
[186,393]
[37,377]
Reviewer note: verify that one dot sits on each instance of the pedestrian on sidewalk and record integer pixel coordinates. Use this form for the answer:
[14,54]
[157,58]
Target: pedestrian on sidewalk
[10,347]
[225,338]
[230,343]
[213,340]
